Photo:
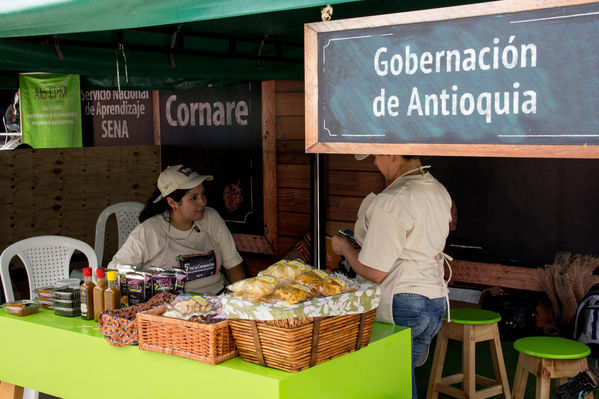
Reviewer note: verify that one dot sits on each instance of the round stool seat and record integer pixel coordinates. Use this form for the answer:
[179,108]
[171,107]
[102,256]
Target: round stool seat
[473,316]
[552,347]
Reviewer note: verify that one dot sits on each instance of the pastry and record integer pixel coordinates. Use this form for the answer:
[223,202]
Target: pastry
[285,271]
[294,294]
[255,288]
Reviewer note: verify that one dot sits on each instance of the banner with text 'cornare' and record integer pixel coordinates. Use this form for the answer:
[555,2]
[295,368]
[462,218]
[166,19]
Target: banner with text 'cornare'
[51,110]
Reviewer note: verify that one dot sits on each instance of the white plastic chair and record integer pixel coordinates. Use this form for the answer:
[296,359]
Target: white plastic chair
[46,259]
[127,218]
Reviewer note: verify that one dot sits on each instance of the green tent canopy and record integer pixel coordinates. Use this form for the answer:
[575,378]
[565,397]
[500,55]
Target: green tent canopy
[152,44]
[47,17]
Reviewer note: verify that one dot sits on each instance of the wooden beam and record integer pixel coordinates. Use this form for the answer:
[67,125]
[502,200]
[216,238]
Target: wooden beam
[493,274]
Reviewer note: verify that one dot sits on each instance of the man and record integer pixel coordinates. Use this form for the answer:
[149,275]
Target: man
[11,116]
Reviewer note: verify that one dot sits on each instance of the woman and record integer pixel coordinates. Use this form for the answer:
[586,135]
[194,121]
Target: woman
[401,233]
[178,230]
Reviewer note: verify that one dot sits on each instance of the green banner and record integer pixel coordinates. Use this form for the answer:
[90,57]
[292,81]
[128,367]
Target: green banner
[51,110]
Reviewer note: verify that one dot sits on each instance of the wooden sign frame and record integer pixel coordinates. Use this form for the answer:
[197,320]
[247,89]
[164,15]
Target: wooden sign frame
[311,50]
[267,243]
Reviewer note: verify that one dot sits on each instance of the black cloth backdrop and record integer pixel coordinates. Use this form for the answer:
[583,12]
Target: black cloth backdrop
[521,211]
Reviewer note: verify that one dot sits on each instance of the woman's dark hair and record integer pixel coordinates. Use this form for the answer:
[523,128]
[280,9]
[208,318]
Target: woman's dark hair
[152,209]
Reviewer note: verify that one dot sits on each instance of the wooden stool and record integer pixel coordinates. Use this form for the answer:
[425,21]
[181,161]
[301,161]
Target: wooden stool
[547,358]
[469,326]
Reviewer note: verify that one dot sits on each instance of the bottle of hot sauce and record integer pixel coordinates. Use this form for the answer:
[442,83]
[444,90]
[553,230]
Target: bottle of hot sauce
[112,294]
[87,295]
[99,292]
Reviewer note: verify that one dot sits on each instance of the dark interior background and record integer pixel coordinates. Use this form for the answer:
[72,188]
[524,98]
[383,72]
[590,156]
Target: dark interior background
[521,211]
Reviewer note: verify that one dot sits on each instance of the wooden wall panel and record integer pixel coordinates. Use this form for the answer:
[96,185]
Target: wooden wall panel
[294,200]
[348,162]
[353,183]
[290,104]
[289,85]
[290,128]
[342,208]
[62,191]
[292,152]
[293,176]
[291,223]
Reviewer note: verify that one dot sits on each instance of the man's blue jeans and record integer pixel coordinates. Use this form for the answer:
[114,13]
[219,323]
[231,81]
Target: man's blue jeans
[424,317]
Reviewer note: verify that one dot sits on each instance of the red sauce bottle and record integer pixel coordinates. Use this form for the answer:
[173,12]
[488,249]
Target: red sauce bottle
[99,292]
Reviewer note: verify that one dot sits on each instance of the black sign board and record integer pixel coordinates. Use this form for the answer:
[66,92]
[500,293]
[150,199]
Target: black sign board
[218,131]
[486,79]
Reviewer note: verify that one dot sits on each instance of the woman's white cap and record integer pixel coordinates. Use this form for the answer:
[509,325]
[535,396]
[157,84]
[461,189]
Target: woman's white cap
[360,157]
[179,177]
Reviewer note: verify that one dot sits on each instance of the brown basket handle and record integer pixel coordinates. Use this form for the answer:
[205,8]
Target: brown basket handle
[361,330]
[315,336]
[257,342]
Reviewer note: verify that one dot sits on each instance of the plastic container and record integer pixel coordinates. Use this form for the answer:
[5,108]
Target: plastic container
[66,303]
[67,312]
[23,307]
[69,282]
[71,294]
[45,296]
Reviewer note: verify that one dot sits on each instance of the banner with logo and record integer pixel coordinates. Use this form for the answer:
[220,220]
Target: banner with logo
[118,118]
[51,110]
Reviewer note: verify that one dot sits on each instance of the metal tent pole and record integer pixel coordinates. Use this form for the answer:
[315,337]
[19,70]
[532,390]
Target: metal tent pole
[318,183]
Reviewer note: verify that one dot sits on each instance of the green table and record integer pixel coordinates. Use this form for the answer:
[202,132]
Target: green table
[69,358]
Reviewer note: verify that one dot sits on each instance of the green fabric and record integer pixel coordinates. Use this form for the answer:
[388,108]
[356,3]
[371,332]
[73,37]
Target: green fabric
[365,298]
[552,347]
[144,70]
[220,42]
[45,17]
[473,316]
[50,110]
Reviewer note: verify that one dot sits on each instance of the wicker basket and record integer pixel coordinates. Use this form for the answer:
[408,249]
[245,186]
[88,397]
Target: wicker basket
[208,343]
[298,347]
[119,327]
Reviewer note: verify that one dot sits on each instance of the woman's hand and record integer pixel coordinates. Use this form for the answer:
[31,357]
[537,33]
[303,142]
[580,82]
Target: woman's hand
[344,247]
[340,244]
